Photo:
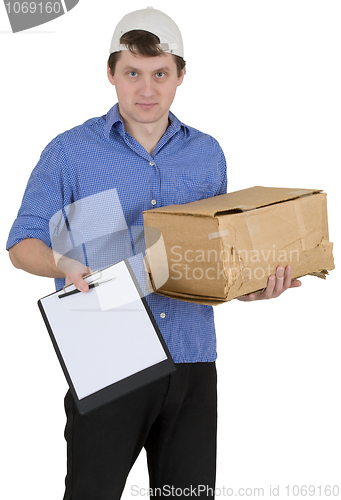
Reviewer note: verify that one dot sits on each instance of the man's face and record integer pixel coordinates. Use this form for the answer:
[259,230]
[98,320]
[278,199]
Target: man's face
[145,86]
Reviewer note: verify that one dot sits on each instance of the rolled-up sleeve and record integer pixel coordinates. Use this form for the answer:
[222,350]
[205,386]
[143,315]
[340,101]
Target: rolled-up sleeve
[222,172]
[48,190]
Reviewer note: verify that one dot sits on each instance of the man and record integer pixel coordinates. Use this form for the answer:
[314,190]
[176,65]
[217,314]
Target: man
[141,150]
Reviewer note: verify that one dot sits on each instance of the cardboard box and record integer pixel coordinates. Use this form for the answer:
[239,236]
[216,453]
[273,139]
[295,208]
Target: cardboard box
[220,248]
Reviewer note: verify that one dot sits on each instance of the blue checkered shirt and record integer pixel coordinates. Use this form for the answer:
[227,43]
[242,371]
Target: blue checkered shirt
[99,156]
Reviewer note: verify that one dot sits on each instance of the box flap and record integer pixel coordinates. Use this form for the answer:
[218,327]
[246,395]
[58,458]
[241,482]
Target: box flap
[238,201]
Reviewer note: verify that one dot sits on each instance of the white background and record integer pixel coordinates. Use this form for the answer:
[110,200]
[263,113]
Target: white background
[264,78]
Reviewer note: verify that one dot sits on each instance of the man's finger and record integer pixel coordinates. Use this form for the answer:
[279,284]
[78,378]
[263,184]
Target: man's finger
[77,280]
[295,283]
[279,280]
[81,285]
[269,288]
[288,276]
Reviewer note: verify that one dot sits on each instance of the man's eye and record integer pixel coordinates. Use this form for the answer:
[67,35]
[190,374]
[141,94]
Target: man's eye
[160,74]
[132,73]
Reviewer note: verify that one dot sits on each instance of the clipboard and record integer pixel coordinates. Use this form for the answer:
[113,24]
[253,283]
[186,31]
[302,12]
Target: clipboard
[107,340]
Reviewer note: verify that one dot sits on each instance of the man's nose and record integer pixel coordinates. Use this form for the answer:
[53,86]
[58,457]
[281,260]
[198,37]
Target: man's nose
[147,87]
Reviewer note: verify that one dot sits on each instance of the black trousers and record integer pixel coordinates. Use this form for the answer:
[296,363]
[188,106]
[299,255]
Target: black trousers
[174,419]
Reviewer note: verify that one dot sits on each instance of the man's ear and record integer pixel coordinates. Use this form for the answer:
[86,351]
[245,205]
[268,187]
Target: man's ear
[110,77]
[181,77]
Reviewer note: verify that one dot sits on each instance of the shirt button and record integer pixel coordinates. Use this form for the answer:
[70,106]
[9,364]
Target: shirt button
[153,202]
[151,164]
[162,315]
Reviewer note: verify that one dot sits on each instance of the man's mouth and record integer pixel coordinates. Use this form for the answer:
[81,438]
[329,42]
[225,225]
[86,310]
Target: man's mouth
[146,105]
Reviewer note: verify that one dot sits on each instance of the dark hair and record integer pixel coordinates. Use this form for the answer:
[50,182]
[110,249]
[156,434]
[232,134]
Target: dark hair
[144,43]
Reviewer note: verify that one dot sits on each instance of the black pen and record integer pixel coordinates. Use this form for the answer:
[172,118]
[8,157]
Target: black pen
[92,285]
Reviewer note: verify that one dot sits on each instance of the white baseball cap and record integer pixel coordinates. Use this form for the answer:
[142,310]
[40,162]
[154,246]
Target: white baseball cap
[154,21]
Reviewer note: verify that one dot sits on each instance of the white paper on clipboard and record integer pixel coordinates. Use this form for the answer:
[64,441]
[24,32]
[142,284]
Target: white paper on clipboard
[105,334]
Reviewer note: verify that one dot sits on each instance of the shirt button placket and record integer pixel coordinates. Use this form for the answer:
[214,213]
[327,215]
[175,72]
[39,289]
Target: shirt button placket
[152,164]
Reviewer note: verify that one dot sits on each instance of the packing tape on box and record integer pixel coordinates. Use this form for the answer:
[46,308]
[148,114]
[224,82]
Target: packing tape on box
[218,234]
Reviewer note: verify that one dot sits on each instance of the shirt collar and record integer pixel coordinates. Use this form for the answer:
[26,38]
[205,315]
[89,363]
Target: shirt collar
[113,117]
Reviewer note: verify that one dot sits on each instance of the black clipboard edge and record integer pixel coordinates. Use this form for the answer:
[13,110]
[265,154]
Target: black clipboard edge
[126,385]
